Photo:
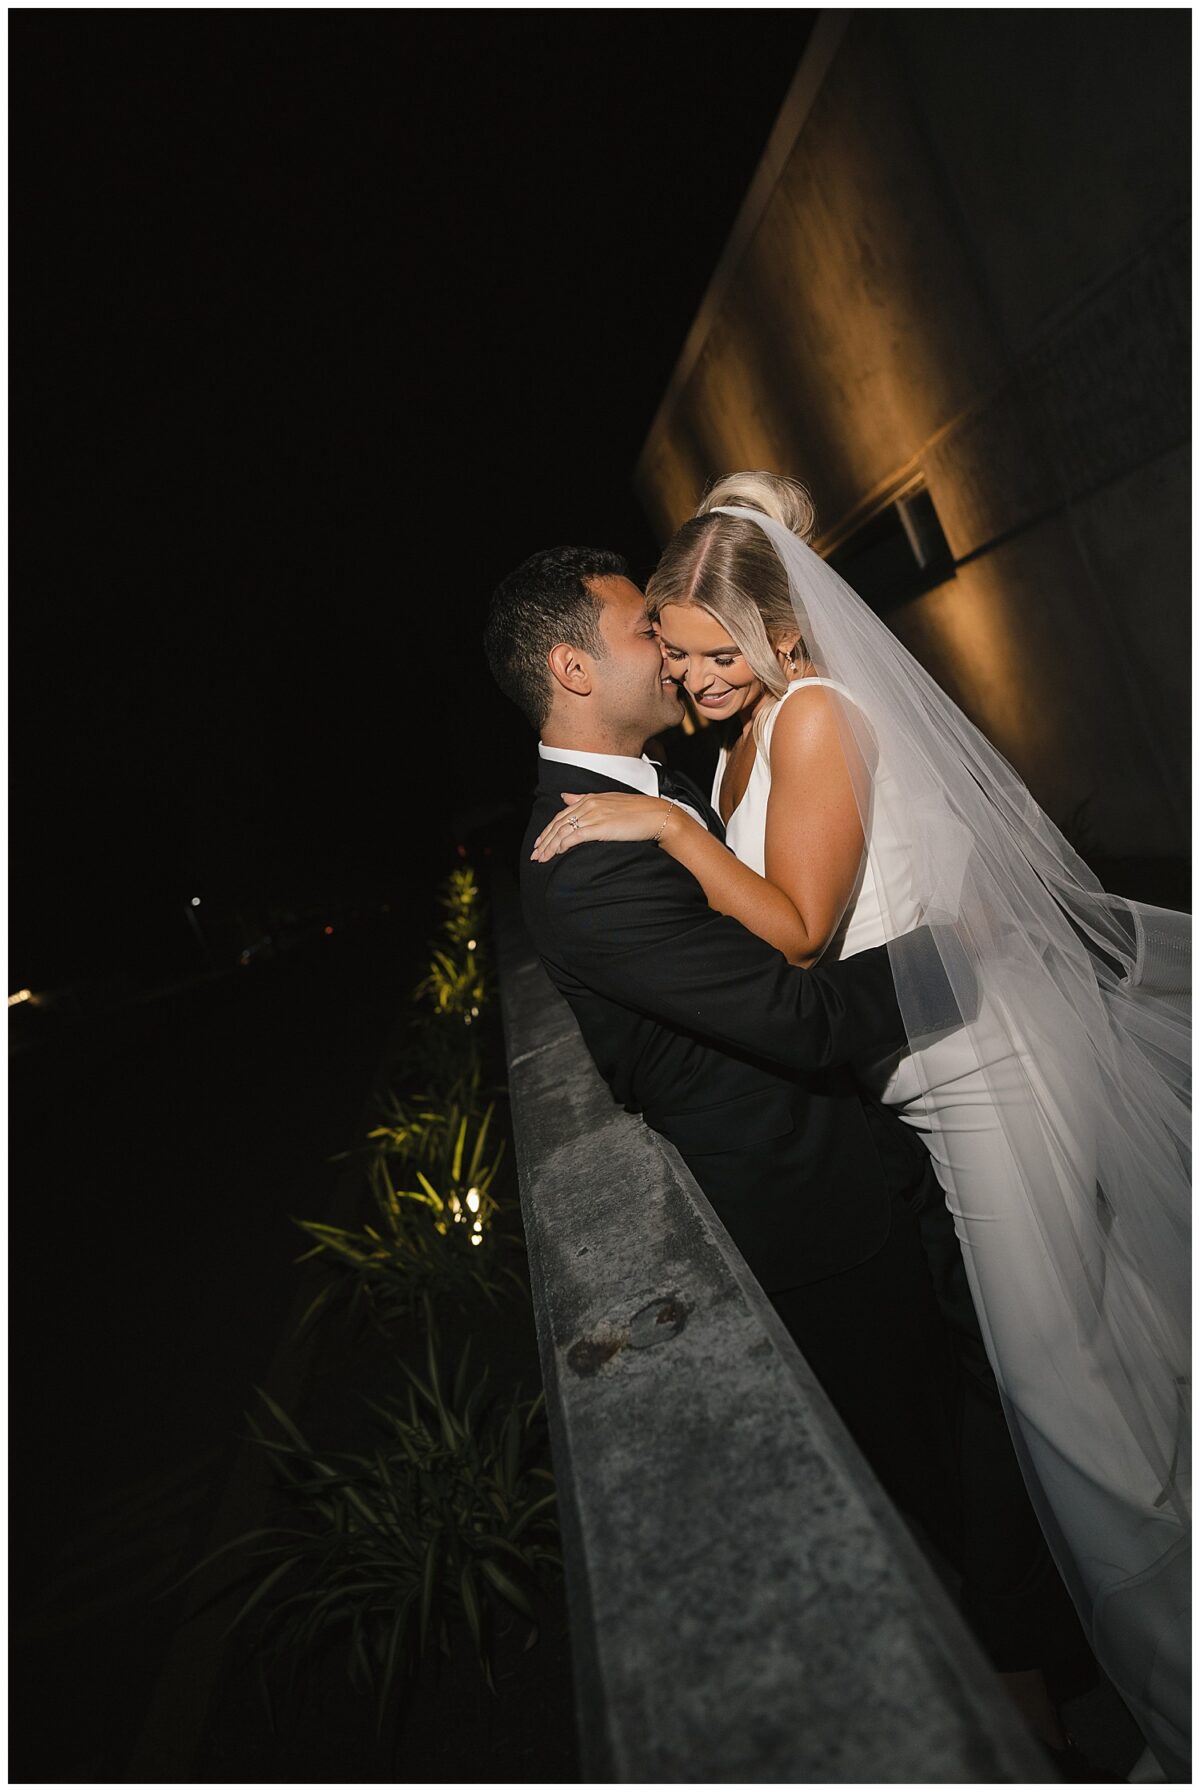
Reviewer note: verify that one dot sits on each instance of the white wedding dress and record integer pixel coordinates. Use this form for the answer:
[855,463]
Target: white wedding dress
[1120,1542]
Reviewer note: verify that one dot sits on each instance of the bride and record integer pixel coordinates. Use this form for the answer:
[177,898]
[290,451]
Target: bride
[859,801]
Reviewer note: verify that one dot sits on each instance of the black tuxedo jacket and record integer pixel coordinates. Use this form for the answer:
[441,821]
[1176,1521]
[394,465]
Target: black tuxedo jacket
[726,1049]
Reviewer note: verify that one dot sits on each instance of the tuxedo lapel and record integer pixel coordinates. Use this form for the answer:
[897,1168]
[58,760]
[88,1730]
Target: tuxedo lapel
[555,776]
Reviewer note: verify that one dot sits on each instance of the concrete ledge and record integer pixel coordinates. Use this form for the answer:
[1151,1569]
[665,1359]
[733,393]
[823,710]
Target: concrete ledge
[745,1603]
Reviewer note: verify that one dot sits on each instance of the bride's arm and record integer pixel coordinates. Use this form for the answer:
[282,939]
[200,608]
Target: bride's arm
[814,835]
[820,790]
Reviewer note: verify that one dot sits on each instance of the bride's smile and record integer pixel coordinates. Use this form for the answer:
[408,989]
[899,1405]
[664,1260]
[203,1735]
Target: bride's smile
[699,655]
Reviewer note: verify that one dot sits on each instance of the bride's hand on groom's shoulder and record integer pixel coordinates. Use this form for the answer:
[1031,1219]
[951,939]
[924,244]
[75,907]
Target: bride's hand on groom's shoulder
[609,815]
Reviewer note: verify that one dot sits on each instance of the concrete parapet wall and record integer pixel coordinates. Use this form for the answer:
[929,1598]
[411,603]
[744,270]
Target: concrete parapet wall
[745,1603]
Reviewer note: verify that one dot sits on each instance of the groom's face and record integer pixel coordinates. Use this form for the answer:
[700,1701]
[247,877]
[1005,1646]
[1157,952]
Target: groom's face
[632,684]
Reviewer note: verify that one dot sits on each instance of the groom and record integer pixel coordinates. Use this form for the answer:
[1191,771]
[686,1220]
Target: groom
[738,1059]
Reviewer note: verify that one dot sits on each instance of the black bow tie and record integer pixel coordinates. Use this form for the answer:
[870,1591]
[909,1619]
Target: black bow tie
[675,786]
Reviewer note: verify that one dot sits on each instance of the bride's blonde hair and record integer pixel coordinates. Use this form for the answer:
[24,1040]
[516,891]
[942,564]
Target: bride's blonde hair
[728,567]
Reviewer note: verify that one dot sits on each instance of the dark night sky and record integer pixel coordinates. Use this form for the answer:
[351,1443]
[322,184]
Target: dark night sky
[320,323]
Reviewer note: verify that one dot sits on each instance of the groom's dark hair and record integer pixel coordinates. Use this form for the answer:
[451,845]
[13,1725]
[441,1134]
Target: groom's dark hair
[545,602]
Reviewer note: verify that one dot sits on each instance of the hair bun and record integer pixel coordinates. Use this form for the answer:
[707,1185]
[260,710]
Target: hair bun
[784,500]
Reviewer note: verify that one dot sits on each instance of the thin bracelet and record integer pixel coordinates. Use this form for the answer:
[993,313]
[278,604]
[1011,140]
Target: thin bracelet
[672,801]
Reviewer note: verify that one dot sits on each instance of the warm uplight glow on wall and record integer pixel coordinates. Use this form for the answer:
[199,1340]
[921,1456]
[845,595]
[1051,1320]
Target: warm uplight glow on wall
[732,405]
[964,633]
[1024,673]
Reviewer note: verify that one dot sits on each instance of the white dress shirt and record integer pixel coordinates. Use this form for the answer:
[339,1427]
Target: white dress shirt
[640,774]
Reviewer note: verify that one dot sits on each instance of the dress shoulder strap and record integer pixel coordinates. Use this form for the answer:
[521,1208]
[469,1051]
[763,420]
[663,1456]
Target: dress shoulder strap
[797,684]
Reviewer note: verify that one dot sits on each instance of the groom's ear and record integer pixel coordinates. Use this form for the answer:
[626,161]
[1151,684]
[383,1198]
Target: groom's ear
[571,668]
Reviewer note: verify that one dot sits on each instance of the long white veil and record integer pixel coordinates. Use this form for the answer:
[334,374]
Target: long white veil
[1077,1014]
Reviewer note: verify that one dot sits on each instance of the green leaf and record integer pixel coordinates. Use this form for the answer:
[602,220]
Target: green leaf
[507,1588]
[531,1512]
[260,1592]
[428,1585]
[456,1161]
[226,1548]
[435,1200]
[460,1378]
[536,1406]
[314,1306]
[395,1638]
[471,1606]
[281,1419]
[480,1142]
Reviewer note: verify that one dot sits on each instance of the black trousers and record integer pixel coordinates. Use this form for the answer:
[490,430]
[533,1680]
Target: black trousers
[896,1346]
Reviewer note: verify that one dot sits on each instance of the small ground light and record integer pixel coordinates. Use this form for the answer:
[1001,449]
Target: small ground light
[470,945]
[478,1227]
[329,930]
[26,995]
[195,902]
[475,1238]
[473,1199]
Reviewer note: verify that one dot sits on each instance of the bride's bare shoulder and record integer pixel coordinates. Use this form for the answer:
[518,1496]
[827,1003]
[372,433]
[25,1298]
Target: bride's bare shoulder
[812,722]
[804,714]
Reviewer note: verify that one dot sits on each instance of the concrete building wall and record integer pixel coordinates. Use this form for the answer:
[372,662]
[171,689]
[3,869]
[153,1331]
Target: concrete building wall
[965,258]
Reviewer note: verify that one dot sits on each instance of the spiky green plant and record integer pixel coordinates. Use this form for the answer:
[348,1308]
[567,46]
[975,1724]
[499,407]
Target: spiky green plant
[445,1057]
[434,1234]
[412,1128]
[428,1151]
[463,907]
[457,982]
[458,1156]
[448,1519]
[454,984]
